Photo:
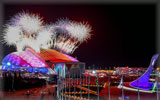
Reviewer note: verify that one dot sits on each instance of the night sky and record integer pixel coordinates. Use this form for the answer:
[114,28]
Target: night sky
[123,35]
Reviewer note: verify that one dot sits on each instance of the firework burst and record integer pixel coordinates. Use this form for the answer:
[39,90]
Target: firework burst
[30,23]
[27,30]
[70,34]
[12,35]
[22,31]
[45,38]
[79,31]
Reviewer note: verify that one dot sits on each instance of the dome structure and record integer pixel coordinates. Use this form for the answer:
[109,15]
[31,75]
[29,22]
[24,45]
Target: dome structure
[27,61]
[31,61]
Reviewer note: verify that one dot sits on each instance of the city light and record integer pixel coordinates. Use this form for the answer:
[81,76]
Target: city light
[94,72]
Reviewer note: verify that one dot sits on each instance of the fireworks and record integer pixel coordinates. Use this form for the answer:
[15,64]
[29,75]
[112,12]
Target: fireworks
[70,35]
[23,30]
[27,30]
[79,31]
[12,35]
[30,23]
[45,38]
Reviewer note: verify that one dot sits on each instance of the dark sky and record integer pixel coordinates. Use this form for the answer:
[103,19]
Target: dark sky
[123,35]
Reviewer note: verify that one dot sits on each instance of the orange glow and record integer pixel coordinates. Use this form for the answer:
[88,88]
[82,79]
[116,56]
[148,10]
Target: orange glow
[53,56]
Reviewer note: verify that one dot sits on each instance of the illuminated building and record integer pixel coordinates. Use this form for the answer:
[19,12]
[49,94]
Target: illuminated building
[31,61]
[143,81]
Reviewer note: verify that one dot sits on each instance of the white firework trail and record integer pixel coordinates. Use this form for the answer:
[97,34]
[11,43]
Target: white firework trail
[27,30]
[45,38]
[79,31]
[12,35]
[30,23]
[70,34]
[28,43]
[19,46]
[22,31]
[22,44]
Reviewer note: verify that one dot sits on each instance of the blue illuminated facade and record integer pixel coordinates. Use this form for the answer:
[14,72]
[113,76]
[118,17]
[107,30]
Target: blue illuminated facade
[13,62]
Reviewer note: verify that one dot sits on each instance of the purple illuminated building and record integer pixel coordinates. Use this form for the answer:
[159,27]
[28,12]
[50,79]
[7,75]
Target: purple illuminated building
[143,81]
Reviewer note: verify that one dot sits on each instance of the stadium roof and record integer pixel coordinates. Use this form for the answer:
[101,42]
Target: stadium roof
[55,56]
